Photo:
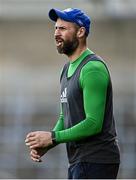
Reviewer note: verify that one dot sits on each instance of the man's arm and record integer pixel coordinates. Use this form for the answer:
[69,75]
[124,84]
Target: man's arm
[60,123]
[94,85]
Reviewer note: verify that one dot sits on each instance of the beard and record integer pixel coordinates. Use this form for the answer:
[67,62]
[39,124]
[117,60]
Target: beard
[68,47]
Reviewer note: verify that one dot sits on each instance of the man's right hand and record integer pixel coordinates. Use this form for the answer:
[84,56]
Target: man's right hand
[36,154]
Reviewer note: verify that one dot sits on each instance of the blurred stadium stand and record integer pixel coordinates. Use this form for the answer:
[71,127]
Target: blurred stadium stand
[37,9]
[29,80]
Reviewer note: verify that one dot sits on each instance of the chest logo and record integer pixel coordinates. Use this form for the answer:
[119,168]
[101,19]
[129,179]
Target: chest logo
[63,97]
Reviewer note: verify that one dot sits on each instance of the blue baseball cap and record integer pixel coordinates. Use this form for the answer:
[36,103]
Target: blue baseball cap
[71,15]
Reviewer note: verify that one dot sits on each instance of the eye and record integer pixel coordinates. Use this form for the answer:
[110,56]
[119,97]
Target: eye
[62,28]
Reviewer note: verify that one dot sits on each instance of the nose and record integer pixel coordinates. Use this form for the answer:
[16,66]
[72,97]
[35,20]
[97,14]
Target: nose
[57,32]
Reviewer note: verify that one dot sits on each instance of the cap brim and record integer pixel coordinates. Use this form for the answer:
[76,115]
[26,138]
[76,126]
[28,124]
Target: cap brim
[54,14]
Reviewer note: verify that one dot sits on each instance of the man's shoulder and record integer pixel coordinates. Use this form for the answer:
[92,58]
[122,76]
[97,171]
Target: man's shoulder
[94,65]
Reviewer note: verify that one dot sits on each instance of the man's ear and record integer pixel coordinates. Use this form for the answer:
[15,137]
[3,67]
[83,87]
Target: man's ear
[81,32]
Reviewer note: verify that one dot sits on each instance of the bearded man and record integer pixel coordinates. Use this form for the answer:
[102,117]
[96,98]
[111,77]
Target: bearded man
[86,123]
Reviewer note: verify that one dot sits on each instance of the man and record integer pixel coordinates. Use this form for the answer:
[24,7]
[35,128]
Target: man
[86,123]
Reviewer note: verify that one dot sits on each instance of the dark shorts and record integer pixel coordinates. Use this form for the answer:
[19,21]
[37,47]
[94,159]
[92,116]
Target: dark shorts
[86,170]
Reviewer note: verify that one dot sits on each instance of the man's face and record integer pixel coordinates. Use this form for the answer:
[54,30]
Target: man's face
[66,37]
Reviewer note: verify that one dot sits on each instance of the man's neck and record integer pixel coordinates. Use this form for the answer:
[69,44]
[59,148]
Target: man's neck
[77,53]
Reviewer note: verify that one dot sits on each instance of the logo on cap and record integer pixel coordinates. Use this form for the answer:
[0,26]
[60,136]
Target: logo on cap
[68,10]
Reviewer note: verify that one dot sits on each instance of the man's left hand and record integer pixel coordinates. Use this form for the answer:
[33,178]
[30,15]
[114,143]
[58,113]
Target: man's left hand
[38,139]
